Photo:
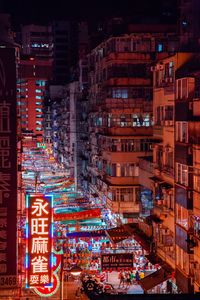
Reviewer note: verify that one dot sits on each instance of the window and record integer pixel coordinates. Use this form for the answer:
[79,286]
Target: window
[182,216]
[185,88]
[120,93]
[38,91]
[38,110]
[169,112]
[182,132]
[182,259]
[182,174]
[160,47]
[40,82]
[38,97]
[196,180]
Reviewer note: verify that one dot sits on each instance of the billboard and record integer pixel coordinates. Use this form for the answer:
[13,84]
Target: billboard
[8,167]
[39,241]
[115,261]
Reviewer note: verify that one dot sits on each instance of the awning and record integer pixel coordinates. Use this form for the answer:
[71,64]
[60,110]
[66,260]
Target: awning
[142,240]
[152,280]
[155,259]
[138,235]
[118,234]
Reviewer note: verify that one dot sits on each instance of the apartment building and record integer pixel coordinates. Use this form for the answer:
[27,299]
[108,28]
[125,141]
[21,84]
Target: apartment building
[32,84]
[174,223]
[120,119]
[187,176]
[37,40]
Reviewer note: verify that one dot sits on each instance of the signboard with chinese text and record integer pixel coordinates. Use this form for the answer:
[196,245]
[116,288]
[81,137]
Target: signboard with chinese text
[82,215]
[39,241]
[8,164]
[115,261]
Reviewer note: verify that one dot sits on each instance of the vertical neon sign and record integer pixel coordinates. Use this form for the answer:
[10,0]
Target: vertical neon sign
[39,241]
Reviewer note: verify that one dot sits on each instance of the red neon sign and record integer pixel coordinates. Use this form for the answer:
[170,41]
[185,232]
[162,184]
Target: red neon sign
[39,241]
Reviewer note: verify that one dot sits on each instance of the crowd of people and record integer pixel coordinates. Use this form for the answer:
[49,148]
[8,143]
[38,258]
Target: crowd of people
[127,278]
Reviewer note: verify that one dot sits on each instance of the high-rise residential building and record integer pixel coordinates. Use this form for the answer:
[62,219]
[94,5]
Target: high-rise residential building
[32,84]
[165,236]
[70,40]
[37,40]
[120,118]
[174,166]
[187,117]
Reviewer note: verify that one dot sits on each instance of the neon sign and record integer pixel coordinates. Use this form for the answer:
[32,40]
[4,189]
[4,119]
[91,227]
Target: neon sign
[39,241]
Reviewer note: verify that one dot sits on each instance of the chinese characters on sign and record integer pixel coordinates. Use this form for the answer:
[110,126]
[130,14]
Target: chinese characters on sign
[8,165]
[39,240]
[86,214]
[115,261]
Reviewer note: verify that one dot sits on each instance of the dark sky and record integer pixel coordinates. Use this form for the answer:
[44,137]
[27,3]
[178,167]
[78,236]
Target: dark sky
[27,11]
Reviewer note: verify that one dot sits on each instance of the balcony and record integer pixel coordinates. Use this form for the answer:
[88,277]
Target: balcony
[125,131]
[123,207]
[120,181]
[134,104]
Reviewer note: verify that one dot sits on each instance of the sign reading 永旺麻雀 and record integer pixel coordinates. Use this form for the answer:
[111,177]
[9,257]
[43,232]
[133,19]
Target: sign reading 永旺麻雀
[39,241]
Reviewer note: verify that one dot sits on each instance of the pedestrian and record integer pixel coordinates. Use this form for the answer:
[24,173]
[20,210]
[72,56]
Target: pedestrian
[128,279]
[78,293]
[121,278]
[132,276]
[137,276]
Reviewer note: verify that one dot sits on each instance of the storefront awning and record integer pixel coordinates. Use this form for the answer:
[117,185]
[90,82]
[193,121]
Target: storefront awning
[138,236]
[153,279]
[118,234]
[155,259]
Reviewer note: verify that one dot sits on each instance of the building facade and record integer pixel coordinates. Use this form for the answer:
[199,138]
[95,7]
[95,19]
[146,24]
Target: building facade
[32,84]
[120,118]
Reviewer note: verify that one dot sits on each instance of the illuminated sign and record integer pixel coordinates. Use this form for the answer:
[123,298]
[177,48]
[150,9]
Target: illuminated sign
[115,261]
[49,291]
[39,241]
[8,167]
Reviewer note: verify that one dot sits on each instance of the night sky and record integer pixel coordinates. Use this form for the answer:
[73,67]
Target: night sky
[42,11]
